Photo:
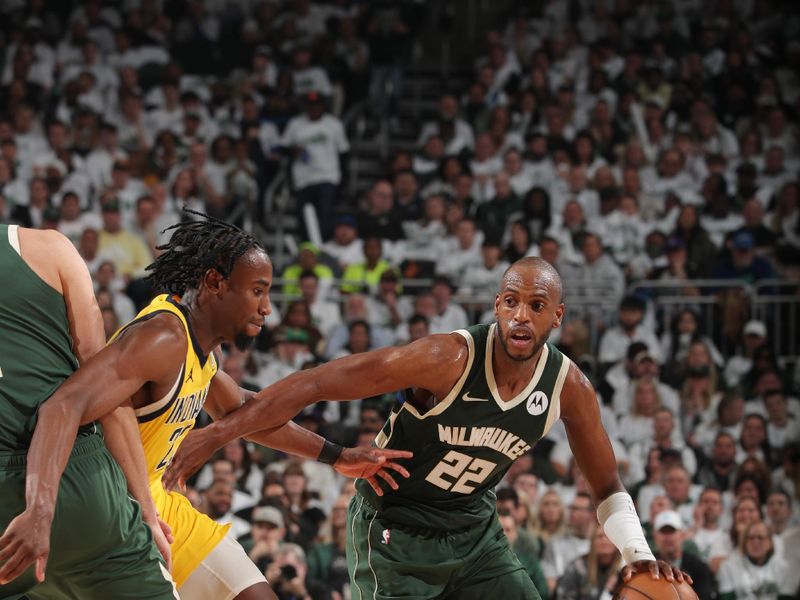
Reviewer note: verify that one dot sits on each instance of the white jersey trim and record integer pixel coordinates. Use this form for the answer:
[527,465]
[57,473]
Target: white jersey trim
[13,238]
[555,400]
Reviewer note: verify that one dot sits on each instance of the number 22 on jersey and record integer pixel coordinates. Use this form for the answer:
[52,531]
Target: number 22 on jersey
[456,471]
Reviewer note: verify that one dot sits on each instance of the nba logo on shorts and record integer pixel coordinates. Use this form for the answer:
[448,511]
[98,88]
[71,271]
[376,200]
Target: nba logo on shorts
[385,537]
[537,403]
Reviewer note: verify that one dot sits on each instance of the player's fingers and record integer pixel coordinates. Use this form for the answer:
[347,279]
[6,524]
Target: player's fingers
[397,453]
[165,527]
[627,573]
[667,570]
[15,566]
[8,547]
[41,565]
[654,570]
[686,577]
[373,483]
[388,478]
[398,468]
[375,457]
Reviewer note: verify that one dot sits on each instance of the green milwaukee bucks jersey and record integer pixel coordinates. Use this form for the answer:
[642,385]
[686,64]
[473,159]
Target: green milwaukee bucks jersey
[35,344]
[464,445]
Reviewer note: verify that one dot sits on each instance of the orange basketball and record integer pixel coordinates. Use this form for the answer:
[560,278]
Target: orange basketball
[642,586]
[685,591]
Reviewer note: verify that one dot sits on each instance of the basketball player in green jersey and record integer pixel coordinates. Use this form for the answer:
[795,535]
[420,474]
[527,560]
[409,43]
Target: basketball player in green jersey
[474,401]
[49,322]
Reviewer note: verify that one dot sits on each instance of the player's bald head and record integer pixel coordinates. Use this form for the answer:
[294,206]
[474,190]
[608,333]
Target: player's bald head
[533,268]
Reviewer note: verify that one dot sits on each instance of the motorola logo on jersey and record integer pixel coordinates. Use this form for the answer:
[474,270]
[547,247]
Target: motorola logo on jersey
[537,403]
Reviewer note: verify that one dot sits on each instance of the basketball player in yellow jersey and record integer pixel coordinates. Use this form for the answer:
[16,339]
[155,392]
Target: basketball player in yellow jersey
[217,280]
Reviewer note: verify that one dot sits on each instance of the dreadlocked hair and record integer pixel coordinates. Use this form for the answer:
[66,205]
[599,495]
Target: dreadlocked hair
[194,248]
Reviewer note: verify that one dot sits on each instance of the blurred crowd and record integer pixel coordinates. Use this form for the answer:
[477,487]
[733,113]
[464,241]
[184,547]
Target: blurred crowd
[621,141]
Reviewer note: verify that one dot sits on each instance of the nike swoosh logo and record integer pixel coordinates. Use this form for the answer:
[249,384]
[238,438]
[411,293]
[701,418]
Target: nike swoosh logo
[468,398]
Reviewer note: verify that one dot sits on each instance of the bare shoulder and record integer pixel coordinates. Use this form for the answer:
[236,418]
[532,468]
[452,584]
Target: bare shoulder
[442,348]
[51,256]
[160,339]
[435,362]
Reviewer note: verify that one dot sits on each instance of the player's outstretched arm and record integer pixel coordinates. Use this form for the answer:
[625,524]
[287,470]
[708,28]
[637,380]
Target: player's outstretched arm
[434,363]
[595,458]
[225,396]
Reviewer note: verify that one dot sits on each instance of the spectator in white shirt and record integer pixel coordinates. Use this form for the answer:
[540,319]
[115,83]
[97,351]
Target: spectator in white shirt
[424,236]
[754,334]
[783,427]
[325,315]
[449,315]
[707,521]
[757,570]
[637,426]
[456,133]
[664,435]
[563,548]
[73,222]
[345,247]
[461,251]
[630,328]
[480,280]
[316,141]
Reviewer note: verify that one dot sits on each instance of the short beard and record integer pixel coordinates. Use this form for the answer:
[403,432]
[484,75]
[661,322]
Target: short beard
[243,341]
[537,346]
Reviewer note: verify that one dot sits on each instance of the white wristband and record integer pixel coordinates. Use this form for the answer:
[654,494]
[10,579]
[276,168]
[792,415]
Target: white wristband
[617,515]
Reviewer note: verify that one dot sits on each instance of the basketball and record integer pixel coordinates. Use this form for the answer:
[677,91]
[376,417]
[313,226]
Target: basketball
[685,591]
[643,587]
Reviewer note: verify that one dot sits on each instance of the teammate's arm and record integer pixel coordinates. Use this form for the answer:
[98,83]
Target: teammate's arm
[595,458]
[433,363]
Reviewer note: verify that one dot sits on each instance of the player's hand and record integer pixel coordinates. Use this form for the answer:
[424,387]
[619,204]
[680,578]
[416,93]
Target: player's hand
[192,454]
[26,541]
[370,463]
[657,569]
[162,536]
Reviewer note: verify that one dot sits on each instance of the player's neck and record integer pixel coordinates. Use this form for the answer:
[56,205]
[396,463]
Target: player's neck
[201,325]
[509,372]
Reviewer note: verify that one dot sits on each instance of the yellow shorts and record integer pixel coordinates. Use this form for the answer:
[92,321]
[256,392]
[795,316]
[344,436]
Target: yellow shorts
[195,534]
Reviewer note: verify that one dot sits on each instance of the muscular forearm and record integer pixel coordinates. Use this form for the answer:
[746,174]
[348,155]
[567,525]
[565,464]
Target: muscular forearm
[51,445]
[125,444]
[292,439]
[263,414]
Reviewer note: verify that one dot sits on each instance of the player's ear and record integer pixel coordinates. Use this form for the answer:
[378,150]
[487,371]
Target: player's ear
[559,316]
[213,280]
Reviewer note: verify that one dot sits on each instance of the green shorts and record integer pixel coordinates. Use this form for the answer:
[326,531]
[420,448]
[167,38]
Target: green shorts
[99,547]
[386,560]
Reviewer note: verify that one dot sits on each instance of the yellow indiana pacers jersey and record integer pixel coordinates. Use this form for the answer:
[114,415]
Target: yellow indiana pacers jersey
[163,424]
